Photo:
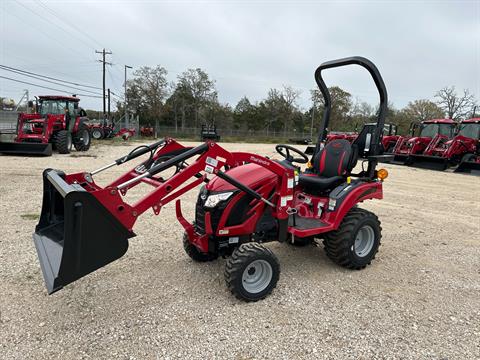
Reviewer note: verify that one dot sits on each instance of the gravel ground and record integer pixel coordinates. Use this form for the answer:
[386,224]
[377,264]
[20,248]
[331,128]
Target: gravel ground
[419,299]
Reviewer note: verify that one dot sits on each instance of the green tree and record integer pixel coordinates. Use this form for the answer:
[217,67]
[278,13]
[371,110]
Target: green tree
[341,102]
[197,91]
[243,113]
[147,92]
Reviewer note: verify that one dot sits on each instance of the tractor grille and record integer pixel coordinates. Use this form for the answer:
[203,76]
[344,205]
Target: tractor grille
[215,215]
[200,216]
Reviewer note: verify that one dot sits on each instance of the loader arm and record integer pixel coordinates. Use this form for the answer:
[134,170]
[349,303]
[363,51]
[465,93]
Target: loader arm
[84,226]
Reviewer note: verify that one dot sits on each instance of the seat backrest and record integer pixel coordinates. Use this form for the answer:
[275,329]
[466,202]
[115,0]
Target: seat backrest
[337,158]
[364,140]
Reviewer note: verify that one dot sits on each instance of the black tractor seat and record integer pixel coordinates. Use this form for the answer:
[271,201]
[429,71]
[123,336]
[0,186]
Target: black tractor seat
[314,182]
[331,166]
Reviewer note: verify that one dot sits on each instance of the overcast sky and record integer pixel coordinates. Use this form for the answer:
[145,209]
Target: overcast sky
[246,46]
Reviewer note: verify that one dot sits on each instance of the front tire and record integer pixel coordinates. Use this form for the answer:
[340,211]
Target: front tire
[63,142]
[82,138]
[252,272]
[196,254]
[354,244]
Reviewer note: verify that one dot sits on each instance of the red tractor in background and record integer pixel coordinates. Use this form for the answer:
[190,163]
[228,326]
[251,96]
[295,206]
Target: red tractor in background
[442,152]
[416,145]
[391,141]
[57,122]
[147,131]
[105,130]
[389,137]
[349,136]
[470,162]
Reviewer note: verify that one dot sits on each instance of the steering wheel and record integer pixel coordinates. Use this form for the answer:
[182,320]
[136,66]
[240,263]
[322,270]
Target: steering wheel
[290,158]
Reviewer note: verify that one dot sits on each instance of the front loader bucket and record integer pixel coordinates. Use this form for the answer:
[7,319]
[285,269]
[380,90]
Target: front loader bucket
[468,167]
[23,148]
[429,162]
[76,234]
[396,159]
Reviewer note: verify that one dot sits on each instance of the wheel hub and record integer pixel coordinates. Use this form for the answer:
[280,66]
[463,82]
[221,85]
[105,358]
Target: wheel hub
[256,276]
[86,137]
[364,241]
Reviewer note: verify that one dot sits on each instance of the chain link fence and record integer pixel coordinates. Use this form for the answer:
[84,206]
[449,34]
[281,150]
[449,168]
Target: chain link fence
[264,135]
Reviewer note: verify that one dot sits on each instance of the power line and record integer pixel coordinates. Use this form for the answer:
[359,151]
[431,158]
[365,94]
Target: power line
[53,23]
[49,81]
[41,28]
[117,96]
[54,13]
[49,77]
[113,80]
[48,88]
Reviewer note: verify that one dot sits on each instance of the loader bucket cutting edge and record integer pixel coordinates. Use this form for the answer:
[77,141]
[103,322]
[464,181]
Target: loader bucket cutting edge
[76,234]
[429,162]
[19,148]
[399,159]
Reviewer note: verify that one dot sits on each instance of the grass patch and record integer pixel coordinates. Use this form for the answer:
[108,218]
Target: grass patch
[30,216]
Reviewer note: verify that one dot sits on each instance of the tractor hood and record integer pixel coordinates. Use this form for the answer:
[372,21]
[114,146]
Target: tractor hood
[251,175]
[30,117]
[463,139]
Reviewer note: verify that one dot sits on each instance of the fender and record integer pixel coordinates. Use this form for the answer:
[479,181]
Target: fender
[79,121]
[344,197]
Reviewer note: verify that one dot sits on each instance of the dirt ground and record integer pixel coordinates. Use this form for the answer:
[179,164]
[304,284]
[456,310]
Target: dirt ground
[420,298]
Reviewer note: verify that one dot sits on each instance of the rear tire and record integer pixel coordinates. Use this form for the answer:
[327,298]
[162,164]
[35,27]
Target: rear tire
[63,142]
[354,244]
[196,254]
[82,139]
[252,272]
[97,133]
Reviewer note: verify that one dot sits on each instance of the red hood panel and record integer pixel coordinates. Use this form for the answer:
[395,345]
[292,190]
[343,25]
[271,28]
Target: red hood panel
[249,174]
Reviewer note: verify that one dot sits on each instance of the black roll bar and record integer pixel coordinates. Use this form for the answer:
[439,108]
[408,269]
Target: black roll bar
[377,78]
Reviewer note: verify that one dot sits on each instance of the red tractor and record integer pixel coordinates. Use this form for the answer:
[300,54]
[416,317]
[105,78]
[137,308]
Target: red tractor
[443,152]
[349,136]
[105,130]
[470,161]
[389,137]
[416,145]
[147,131]
[391,141]
[57,122]
[246,201]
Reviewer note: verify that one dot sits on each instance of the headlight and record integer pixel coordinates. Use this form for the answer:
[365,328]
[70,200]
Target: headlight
[214,199]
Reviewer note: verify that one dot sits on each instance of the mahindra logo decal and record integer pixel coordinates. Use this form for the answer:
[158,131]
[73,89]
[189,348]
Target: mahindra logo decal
[259,161]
